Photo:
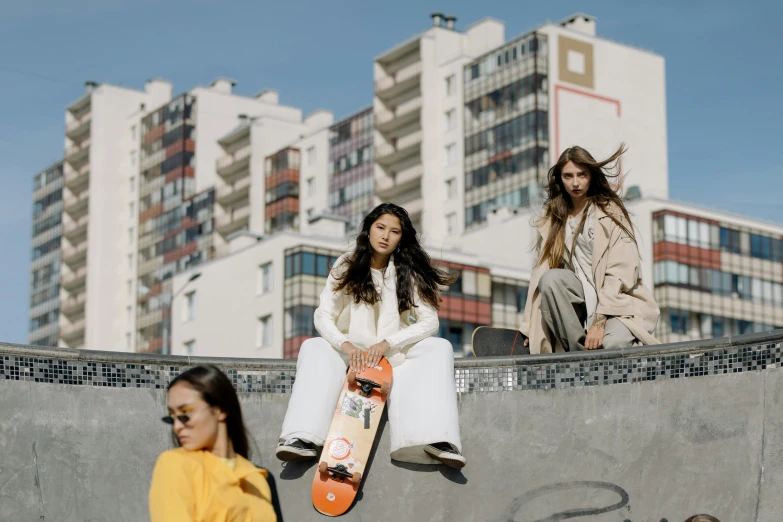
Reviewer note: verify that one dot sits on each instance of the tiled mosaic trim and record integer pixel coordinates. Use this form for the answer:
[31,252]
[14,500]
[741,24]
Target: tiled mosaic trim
[469,380]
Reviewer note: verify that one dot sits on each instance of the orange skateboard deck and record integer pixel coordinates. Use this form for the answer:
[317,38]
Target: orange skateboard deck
[350,438]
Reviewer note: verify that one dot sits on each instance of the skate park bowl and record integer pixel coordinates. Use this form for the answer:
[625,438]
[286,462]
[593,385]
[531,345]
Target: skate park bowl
[644,434]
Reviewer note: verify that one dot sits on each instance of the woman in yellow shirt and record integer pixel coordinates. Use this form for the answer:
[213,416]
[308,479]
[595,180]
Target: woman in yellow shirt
[208,477]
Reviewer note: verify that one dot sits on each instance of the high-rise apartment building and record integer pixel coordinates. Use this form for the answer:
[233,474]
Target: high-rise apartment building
[271,174]
[154,169]
[351,168]
[417,109]
[466,123]
[100,213]
[46,256]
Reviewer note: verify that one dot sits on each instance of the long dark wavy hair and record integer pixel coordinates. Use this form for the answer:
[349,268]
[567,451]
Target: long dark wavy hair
[216,390]
[558,203]
[413,264]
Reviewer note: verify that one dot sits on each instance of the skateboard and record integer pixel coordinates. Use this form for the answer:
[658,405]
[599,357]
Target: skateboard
[350,438]
[494,342]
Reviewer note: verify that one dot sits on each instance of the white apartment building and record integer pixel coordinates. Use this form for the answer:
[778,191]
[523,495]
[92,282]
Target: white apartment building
[101,177]
[272,167]
[139,160]
[466,122]
[418,99]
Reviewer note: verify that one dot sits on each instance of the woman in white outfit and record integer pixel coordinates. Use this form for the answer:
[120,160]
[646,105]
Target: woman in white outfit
[380,300]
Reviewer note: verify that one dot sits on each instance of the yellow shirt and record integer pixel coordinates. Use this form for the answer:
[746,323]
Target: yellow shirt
[197,486]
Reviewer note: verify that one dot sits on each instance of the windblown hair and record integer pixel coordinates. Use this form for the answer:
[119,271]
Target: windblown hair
[216,390]
[558,203]
[415,271]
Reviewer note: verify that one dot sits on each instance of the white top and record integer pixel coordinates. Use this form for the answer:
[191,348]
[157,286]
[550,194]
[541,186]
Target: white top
[377,280]
[582,262]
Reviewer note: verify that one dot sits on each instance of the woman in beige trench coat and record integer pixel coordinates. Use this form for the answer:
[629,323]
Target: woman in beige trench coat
[586,290]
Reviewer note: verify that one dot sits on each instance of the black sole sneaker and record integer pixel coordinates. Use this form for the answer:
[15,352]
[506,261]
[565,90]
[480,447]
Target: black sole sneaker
[449,457]
[294,450]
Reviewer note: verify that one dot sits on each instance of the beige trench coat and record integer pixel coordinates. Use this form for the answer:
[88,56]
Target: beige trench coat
[617,272]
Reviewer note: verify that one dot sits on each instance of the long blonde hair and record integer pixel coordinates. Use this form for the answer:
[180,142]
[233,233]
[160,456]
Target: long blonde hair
[558,203]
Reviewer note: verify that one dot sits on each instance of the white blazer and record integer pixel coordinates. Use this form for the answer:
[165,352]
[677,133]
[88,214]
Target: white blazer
[339,318]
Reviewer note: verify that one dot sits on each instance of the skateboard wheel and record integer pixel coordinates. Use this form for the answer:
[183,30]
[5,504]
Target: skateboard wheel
[352,377]
[356,478]
[322,467]
[384,388]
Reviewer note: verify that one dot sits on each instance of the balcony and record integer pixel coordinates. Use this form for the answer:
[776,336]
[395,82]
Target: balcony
[231,222]
[76,231]
[389,86]
[73,306]
[73,334]
[78,153]
[149,266]
[404,114]
[75,279]
[76,206]
[232,166]
[408,145]
[228,195]
[76,129]
[148,319]
[73,256]
[77,179]
[389,186]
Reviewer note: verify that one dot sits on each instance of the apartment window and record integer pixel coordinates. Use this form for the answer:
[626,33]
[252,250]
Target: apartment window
[130,236]
[310,186]
[190,347]
[451,119]
[133,158]
[130,286]
[189,311]
[264,332]
[131,209]
[311,155]
[128,342]
[129,312]
[451,154]
[130,261]
[451,188]
[451,82]
[133,184]
[133,132]
[310,212]
[264,284]
[451,223]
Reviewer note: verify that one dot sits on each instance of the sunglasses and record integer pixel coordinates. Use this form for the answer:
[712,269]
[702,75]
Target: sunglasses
[169,419]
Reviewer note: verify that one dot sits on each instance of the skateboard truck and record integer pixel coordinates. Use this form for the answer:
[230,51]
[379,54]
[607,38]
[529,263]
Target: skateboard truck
[367,385]
[340,471]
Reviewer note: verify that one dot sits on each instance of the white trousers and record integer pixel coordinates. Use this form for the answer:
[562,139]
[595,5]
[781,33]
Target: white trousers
[422,404]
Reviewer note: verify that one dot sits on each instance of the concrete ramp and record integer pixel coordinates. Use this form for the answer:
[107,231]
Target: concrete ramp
[696,428]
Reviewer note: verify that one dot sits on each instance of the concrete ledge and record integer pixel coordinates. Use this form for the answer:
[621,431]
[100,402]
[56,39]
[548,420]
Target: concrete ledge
[544,436]
[688,347]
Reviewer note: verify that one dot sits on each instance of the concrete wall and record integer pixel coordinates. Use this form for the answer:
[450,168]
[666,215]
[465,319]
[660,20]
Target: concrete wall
[644,451]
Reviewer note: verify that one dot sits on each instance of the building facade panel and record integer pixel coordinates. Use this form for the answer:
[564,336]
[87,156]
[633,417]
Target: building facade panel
[43,328]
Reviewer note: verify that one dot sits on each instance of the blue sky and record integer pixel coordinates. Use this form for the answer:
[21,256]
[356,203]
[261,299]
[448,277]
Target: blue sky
[723,68]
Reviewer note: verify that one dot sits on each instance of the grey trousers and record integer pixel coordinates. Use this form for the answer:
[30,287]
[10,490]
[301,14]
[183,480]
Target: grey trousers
[564,312]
